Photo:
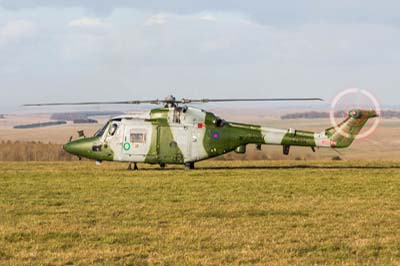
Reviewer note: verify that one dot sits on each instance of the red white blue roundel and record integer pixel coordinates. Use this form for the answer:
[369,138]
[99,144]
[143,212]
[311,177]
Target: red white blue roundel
[215,135]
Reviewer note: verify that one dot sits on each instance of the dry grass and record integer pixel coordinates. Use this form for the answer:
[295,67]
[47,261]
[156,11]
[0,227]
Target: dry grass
[32,151]
[227,213]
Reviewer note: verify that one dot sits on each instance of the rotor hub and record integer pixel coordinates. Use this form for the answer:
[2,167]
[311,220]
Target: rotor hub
[170,101]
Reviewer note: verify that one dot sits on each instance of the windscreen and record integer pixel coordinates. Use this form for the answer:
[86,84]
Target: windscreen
[101,131]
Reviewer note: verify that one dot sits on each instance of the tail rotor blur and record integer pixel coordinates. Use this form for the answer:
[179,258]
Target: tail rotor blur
[350,103]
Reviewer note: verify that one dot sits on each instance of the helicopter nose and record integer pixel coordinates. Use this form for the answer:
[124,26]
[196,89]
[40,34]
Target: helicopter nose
[75,147]
[69,147]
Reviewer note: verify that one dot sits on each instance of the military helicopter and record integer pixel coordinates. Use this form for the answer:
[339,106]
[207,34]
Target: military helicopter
[179,134]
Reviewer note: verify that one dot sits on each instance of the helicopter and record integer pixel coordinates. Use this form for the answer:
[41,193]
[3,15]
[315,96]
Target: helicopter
[177,133]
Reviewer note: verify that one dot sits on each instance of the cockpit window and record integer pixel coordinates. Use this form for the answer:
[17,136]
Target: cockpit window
[113,129]
[101,131]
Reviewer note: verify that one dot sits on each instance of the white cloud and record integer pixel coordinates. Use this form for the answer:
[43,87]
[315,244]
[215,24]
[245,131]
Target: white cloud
[229,53]
[86,23]
[157,19]
[235,39]
[208,17]
[16,30]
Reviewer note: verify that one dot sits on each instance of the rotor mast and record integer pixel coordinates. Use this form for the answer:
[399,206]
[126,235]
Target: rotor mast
[170,101]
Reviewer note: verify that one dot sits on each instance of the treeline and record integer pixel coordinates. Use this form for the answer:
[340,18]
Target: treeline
[311,115]
[43,124]
[82,115]
[390,114]
[317,115]
[39,151]
[33,151]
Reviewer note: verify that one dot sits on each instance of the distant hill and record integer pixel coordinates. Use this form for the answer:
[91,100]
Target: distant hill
[2,116]
[82,115]
[317,115]
[44,124]
[85,121]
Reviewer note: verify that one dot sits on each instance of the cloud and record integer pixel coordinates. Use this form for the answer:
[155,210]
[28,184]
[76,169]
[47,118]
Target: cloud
[157,19]
[208,17]
[234,39]
[284,12]
[203,53]
[86,23]
[89,26]
[17,30]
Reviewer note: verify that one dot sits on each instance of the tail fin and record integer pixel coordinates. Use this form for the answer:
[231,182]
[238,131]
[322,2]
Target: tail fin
[343,135]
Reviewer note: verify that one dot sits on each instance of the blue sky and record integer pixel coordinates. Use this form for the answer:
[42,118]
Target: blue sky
[102,50]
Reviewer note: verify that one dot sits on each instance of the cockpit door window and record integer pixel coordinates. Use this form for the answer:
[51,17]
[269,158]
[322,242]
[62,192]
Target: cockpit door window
[113,129]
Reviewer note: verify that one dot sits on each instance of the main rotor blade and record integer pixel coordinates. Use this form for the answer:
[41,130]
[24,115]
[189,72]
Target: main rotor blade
[173,101]
[95,103]
[248,100]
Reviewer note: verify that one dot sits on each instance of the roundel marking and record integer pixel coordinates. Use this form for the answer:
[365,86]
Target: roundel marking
[215,135]
[127,146]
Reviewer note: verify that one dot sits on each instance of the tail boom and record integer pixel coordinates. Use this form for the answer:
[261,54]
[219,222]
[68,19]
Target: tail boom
[340,136]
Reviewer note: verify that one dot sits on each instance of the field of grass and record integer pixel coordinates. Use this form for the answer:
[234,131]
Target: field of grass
[225,213]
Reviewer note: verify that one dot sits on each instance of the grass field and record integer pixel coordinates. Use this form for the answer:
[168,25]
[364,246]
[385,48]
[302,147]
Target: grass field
[226,213]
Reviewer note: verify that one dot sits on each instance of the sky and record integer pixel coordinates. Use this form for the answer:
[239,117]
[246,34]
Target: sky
[69,50]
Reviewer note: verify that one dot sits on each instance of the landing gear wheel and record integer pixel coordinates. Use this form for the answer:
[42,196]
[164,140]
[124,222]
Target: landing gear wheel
[135,167]
[162,165]
[189,166]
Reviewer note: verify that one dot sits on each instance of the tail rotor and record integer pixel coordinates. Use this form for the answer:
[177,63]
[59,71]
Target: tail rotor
[358,106]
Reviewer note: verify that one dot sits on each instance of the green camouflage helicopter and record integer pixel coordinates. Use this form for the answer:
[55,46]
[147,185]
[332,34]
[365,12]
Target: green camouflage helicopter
[179,134]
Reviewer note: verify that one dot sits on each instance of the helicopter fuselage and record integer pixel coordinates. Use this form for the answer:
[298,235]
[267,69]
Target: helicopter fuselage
[182,135]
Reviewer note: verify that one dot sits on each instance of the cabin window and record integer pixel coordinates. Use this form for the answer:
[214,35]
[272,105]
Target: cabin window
[138,137]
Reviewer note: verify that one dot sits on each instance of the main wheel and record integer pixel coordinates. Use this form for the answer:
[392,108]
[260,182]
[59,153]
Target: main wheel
[189,166]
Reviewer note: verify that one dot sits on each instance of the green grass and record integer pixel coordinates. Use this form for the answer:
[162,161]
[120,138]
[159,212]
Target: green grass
[257,213]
